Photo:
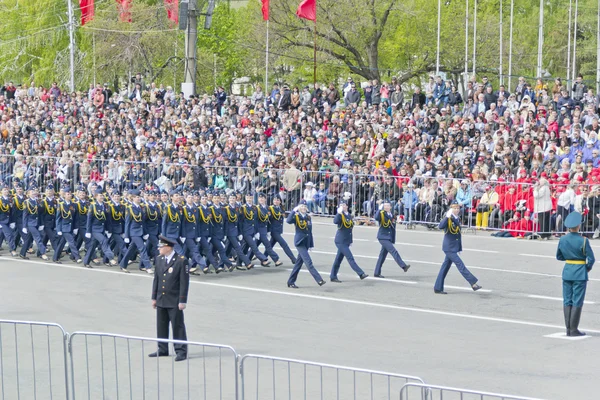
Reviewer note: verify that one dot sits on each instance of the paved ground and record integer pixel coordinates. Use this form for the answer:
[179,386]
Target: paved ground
[492,340]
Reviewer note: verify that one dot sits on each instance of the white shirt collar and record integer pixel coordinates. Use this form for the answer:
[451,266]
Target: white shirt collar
[169,257]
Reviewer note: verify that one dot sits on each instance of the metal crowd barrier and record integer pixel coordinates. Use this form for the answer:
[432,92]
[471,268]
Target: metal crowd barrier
[109,366]
[422,391]
[33,361]
[265,377]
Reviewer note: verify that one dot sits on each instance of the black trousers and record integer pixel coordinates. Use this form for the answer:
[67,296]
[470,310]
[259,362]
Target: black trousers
[175,317]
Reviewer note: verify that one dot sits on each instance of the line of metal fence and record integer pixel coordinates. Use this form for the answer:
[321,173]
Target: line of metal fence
[265,377]
[33,365]
[421,391]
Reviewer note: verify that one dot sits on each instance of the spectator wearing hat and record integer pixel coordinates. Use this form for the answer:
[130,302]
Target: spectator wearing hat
[233,234]
[487,203]
[169,297]
[343,240]
[276,218]
[303,240]
[542,206]
[452,245]
[386,235]
[96,228]
[115,225]
[48,218]
[135,234]
[575,250]
[67,226]
[310,193]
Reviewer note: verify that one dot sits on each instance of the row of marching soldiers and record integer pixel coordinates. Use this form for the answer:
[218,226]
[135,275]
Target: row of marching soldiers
[211,229]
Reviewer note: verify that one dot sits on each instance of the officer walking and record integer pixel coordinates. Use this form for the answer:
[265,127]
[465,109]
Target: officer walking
[247,227]
[303,240]
[387,237]
[7,222]
[169,297]
[343,240]
[66,226]
[262,228]
[189,233]
[135,234]
[152,224]
[233,234]
[171,222]
[115,224]
[32,226]
[82,204]
[217,233]
[575,250]
[276,228]
[95,231]
[48,218]
[451,246]
[204,239]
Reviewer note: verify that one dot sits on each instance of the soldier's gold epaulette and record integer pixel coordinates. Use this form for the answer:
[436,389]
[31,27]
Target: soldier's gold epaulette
[182,257]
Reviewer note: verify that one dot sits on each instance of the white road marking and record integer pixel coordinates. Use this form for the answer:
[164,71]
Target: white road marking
[535,296]
[537,255]
[467,288]
[315,297]
[482,251]
[415,244]
[563,335]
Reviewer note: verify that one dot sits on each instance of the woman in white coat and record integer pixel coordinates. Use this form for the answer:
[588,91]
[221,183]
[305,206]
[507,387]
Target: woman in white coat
[542,206]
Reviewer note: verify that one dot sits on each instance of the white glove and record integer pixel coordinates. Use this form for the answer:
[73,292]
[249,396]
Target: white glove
[108,234]
[449,213]
[381,206]
[12,225]
[182,239]
[24,230]
[256,236]
[0,226]
[198,240]
[88,235]
[145,237]
[59,233]
[340,209]
[75,231]
[223,243]
[269,236]
[208,239]
[41,228]
[127,240]
[295,209]
[240,237]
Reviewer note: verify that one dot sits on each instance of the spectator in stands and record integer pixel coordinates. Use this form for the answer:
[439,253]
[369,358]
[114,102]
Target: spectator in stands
[485,206]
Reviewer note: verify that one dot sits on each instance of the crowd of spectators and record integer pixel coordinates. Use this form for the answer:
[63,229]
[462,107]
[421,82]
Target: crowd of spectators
[517,159]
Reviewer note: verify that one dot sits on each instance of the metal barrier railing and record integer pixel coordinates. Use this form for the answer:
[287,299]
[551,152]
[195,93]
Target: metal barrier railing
[265,377]
[33,360]
[116,366]
[420,391]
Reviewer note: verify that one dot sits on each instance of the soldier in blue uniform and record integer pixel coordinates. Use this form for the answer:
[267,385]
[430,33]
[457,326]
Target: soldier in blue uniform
[451,246]
[83,206]
[66,226]
[32,225]
[171,222]
[169,297]
[189,233]
[7,222]
[115,225]
[247,227]
[233,234]
[19,206]
[204,239]
[152,224]
[575,250]
[96,229]
[343,240]
[217,232]
[303,240]
[135,234]
[276,216]
[48,218]
[262,228]
[386,235]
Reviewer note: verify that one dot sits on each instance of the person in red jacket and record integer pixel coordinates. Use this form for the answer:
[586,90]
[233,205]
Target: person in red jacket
[510,228]
[525,227]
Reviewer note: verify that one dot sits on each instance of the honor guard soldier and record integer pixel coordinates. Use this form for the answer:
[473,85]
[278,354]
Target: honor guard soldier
[386,235]
[451,246]
[276,228]
[7,221]
[135,234]
[66,226]
[171,222]
[343,240]
[96,229]
[233,234]
[83,205]
[575,250]
[303,240]
[204,238]
[19,206]
[48,218]
[189,233]
[217,232]
[262,227]
[169,297]
[152,224]
[32,225]
[248,230]
[115,224]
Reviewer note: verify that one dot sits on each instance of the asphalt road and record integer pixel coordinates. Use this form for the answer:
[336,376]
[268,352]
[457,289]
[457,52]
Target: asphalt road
[493,340]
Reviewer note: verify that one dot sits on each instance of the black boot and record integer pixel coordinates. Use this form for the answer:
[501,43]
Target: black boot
[575,316]
[567,311]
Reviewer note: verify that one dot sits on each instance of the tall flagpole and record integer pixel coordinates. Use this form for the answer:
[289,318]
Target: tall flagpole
[315,55]
[267,61]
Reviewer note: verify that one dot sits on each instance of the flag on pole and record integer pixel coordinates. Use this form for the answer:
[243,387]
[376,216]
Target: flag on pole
[307,10]
[265,9]
[172,7]
[87,11]
[124,7]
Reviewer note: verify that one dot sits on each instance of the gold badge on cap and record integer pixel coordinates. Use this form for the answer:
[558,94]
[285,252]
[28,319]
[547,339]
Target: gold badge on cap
[171,270]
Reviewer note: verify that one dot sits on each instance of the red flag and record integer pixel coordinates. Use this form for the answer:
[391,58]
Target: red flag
[87,11]
[307,10]
[124,7]
[265,9]
[172,7]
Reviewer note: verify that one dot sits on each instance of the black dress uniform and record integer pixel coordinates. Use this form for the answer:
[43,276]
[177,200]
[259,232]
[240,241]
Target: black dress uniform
[169,289]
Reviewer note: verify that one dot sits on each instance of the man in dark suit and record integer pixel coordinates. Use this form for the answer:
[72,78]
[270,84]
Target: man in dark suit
[386,235]
[169,297]
[452,245]
[343,240]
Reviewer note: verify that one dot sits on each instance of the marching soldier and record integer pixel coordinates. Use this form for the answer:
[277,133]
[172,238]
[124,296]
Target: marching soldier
[66,226]
[19,206]
[204,238]
[48,218]
[152,224]
[96,229]
[247,228]
[189,233]
[32,225]
[135,234]
[233,234]
[115,224]
[171,222]
[386,235]
[343,240]
[575,250]
[217,232]
[7,222]
[169,297]
[276,228]
[303,240]
[83,206]
[262,228]
[451,246]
